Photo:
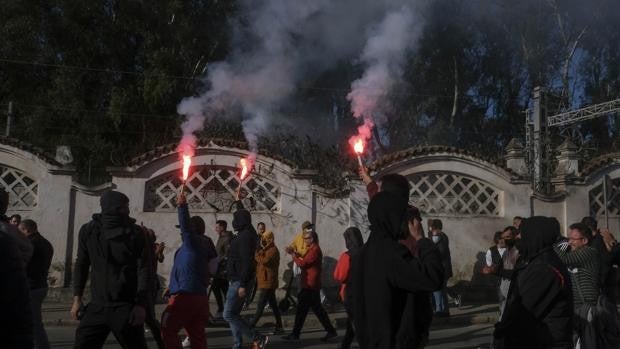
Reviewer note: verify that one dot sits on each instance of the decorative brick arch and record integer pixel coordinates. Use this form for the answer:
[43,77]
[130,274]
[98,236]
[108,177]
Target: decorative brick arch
[447,181]
[213,179]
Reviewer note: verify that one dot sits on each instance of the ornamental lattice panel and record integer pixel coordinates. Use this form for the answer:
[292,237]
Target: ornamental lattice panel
[211,188]
[453,194]
[597,202]
[23,190]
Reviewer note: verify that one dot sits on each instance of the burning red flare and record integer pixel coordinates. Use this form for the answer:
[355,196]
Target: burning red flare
[244,168]
[358,147]
[187,162]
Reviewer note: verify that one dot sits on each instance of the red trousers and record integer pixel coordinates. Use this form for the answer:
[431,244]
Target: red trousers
[190,312]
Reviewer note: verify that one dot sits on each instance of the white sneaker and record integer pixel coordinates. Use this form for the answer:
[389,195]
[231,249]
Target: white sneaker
[186,343]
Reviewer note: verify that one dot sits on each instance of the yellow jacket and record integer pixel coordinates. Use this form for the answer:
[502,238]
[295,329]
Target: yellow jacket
[299,245]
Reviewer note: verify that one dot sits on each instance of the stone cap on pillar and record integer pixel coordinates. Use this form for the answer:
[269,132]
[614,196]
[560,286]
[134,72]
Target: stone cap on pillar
[515,158]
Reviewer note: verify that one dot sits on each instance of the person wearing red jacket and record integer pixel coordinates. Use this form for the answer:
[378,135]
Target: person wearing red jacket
[353,240]
[309,297]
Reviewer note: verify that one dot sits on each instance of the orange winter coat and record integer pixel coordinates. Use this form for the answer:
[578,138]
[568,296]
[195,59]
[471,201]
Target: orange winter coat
[267,264]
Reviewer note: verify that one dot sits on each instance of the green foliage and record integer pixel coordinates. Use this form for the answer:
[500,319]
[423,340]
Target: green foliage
[105,77]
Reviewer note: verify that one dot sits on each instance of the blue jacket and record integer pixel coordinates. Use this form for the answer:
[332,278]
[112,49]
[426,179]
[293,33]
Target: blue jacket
[190,271]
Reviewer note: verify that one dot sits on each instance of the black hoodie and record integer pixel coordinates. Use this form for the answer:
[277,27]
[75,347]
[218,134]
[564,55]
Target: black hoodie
[539,309]
[385,272]
[241,265]
[116,250]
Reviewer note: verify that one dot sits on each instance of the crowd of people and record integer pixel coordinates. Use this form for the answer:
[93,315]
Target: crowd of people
[558,290]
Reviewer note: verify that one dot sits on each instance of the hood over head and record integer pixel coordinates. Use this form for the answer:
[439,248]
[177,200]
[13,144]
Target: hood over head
[112,201]
[267,238]
[353,238]
[537,234]
[387,215]
[242,219]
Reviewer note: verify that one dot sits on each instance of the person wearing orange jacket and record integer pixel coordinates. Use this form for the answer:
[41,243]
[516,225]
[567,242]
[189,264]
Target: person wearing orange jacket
[309,296]
[353,240]
[267,263]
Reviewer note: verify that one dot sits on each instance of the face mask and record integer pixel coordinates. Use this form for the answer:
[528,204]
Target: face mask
[509,242]
[435,238]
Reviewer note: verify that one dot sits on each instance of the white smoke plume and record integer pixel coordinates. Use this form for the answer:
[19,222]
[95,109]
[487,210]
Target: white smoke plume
[383,56]
[276,44]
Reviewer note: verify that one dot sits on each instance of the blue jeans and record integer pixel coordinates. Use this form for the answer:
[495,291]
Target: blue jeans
[232,314]
[440,298]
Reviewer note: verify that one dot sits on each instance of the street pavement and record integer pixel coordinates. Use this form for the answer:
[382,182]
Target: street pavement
[468,327]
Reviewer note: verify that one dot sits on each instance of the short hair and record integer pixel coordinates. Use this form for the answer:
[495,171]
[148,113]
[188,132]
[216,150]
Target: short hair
[518,217]
[30,225]
[19,217]
[261,223]
[512,229]
[395,183]
[591,223]
[222,223]
[497,236]
[436,224]
[583,229]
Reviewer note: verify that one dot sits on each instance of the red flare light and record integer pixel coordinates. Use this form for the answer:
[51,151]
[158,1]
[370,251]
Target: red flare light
[244,168]
[187,162]
[358,147]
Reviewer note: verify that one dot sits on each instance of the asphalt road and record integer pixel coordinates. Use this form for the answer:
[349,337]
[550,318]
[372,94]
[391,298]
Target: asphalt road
[472,336]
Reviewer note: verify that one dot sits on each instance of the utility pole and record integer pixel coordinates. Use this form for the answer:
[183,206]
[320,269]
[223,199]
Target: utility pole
[9,119]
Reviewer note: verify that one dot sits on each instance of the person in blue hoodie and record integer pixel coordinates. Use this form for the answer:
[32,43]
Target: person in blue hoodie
[188,304]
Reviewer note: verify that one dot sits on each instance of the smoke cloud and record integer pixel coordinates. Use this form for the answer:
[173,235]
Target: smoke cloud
[276,44]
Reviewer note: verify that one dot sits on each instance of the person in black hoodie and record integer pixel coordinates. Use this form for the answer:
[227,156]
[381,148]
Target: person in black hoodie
[539,307]
[385,273]
[241,271]
[353,241]
[115,248]
[16,330]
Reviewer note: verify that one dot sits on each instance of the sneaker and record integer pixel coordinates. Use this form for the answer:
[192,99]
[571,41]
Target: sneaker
[329,336]
[290,337]
[186,343]
[278,330]
[260,341]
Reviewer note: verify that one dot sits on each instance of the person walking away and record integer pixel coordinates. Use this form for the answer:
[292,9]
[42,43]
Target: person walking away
[37,272]
[219,284]
[267,264]
[539,310]
[440,239]
[353,241]
[507,266]
[309,296]
[582,262]
[385,273]
[188,304]
[153,285]
[113,249]
[241,272]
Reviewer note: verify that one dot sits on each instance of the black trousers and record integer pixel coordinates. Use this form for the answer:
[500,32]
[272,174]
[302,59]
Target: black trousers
[349,335]
[264,296]
[152,322]
[219,288]
[310,299]
[99,321]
